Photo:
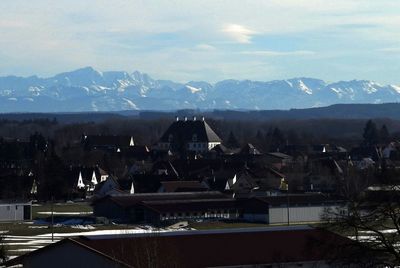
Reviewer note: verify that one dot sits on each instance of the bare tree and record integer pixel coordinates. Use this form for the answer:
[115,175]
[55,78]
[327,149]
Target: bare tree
[3,250]
[372,218]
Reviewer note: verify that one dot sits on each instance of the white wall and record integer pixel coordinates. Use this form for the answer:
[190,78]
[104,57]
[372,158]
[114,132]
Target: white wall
[12,212]
[297,214]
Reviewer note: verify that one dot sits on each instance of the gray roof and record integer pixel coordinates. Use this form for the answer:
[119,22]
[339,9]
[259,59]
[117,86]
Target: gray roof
[185,130]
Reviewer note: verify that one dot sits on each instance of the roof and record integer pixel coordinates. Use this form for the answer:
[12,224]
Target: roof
[15,202]
[249,149]
[107,140]
[190,205]
[133,199]
[300,199]
[182,186]
[280,155]
[183,131]
[251,246]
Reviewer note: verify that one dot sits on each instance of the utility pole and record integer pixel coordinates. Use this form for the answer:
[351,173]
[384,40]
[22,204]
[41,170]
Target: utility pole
[52,219]
[288,216]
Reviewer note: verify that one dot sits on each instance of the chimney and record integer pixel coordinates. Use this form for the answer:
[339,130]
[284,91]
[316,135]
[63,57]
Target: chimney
[194,118]
[203,118]
[177,118]
[185,118]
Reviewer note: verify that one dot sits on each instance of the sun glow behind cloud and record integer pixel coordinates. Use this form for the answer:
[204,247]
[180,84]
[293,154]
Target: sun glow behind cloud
[238,33]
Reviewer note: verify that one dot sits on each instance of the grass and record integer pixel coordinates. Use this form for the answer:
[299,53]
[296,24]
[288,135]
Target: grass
[59,207]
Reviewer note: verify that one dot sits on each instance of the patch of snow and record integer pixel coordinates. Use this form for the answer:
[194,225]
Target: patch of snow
[5,92]
[396,88]
[94,106]
[304,88]
[12,99]
[289,83]
[130,104]
[65,213]
[83,227]
[370,88]
[193,89]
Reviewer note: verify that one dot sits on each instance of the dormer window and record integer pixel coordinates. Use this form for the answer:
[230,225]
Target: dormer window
[170,138]
[194,137]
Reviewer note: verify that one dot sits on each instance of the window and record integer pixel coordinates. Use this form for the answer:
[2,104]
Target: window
[170,138]
[194,137]
[16,207]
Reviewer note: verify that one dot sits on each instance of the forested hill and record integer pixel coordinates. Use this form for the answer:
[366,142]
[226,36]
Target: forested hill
[337,111]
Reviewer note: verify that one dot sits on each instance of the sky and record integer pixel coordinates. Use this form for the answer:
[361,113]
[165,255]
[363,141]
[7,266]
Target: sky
[184,40]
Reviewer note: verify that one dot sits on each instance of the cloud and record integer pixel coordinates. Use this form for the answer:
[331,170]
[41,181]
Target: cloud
[239,33]
[272,53]
[204,47]
[390,49]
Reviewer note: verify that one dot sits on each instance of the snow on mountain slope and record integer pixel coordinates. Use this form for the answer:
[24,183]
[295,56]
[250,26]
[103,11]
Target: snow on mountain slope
[87,89]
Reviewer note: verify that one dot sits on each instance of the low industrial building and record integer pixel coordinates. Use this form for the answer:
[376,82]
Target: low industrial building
[157,208]
[165,208]
[301,208]
[299,246]
[15,210]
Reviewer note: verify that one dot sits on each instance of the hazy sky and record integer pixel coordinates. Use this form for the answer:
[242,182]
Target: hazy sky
[204,40]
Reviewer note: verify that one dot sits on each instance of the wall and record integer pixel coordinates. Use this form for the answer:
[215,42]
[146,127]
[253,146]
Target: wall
[12,212]
[297,214]
[109,209]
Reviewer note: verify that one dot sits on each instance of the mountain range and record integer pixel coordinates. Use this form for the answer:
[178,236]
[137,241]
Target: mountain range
[87,89]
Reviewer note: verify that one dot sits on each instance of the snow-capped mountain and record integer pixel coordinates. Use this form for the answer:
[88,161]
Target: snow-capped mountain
[87,89]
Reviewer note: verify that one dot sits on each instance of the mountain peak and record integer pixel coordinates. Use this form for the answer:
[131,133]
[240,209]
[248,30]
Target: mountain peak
[87,89]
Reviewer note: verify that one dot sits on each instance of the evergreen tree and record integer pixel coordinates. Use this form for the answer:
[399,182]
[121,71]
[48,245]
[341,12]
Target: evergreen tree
[370,135]
[232,142]
[384,135]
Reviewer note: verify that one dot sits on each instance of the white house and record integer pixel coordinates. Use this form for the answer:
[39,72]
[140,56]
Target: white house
[189,135]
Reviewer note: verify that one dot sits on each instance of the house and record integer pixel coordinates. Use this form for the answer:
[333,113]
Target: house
[188,136]
[260,179]
[107,187]
[15,210]
[299,246]
[279,160]
[87,179]
[107,142]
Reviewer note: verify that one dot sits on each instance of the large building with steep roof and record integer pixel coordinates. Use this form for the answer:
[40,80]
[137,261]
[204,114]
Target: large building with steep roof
[189,135]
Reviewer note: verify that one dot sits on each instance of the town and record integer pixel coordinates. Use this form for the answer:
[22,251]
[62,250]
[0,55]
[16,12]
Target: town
[192,179]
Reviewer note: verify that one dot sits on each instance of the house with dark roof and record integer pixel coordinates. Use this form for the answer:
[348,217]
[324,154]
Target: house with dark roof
[107,142]
[188,136]
[299,246]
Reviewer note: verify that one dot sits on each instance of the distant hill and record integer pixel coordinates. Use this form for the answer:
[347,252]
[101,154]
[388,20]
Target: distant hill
[87,89]
[337,111]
